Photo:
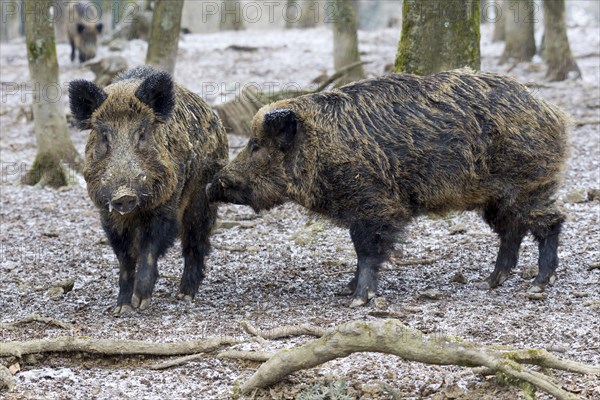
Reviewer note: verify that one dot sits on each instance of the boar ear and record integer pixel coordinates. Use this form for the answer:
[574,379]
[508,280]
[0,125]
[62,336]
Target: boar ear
[99,27]
[156,91]
[84,99]
[80,28]
[281,125]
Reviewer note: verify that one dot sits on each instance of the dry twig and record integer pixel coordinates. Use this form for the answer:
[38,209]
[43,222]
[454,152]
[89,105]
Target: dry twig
[35,318]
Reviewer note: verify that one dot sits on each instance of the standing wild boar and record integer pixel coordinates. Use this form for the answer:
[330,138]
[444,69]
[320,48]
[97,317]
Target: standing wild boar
[375,154]
[83,33]
[153,146]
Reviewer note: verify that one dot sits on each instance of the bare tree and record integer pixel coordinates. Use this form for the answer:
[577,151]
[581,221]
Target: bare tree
[438,35]
[499,21]
[302,14]
[164,34]
[345,41]
[519,23]
[54,146]
[556,51]
[231,15]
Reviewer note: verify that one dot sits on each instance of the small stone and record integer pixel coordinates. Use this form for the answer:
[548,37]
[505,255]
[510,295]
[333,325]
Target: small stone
[411,309]
[536,296]
[430,294]
[459,278]
[380,303]
[55,292]
[252,249]
[574,197]
[557,348]
[66,285]
[458,229]
[592,266]
[529,272]
[579,294]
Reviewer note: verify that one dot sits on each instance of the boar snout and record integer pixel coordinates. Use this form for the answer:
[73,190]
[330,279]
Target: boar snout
[124,204]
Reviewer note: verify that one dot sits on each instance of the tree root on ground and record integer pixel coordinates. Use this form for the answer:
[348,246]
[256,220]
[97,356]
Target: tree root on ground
[388,336]
[284,331]
[392,337]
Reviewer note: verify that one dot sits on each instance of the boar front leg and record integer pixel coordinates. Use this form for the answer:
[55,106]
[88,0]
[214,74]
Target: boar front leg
[123,245]
[156,237]
[373,243]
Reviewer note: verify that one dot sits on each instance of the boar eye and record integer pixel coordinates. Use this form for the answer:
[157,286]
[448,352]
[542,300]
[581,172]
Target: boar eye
[253,146]
[104,137]
[142,136]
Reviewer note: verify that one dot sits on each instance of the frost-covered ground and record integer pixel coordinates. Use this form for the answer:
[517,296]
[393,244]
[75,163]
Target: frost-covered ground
[283,267]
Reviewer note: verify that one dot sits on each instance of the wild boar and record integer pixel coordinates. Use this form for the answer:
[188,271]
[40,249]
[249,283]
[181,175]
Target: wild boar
[152,148]
[377,153]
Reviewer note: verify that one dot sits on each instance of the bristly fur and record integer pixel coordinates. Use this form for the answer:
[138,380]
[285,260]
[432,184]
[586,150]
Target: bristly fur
[376,153]
[154,141]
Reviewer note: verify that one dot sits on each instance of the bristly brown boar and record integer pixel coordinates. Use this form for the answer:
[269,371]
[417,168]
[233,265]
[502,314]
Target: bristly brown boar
[377,153]
[152,148]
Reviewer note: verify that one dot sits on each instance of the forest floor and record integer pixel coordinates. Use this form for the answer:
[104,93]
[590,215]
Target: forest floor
[285,266]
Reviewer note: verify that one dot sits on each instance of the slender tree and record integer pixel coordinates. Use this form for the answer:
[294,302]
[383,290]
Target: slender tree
[345,41]
[54,146]
[164,34]
[519,22]
[231,15]
[438,35]
[499,20]
[302,14]
[556,51]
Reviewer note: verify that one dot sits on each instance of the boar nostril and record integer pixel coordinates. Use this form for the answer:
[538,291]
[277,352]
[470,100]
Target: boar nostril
[124,204]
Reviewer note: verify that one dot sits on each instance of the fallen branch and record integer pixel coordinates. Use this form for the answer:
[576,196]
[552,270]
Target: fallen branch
[260,356]
[176,361]
[392,337]
[284,331]
[582,122]
[112,346]
[35,318]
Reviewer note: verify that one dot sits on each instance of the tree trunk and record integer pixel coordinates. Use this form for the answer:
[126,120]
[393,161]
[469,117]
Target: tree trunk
[556,51]
[438,36]
[164,34]
[54,147]
[301,14]
[345,41]
[520,42]
[231,15]
[501,8]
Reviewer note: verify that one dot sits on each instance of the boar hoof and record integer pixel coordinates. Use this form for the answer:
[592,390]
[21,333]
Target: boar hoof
[536,289]
[122,310]
[144,304]
[135,301]
[185,297]
[358,301]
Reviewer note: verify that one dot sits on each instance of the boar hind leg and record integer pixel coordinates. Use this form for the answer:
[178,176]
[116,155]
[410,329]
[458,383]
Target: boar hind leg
[546,230]
[156,236]
[373,243]
[198,220]
[511,231]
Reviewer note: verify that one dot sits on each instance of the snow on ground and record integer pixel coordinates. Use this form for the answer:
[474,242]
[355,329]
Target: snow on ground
[290,267]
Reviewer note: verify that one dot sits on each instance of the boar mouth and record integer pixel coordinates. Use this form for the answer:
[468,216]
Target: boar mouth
[221,192]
